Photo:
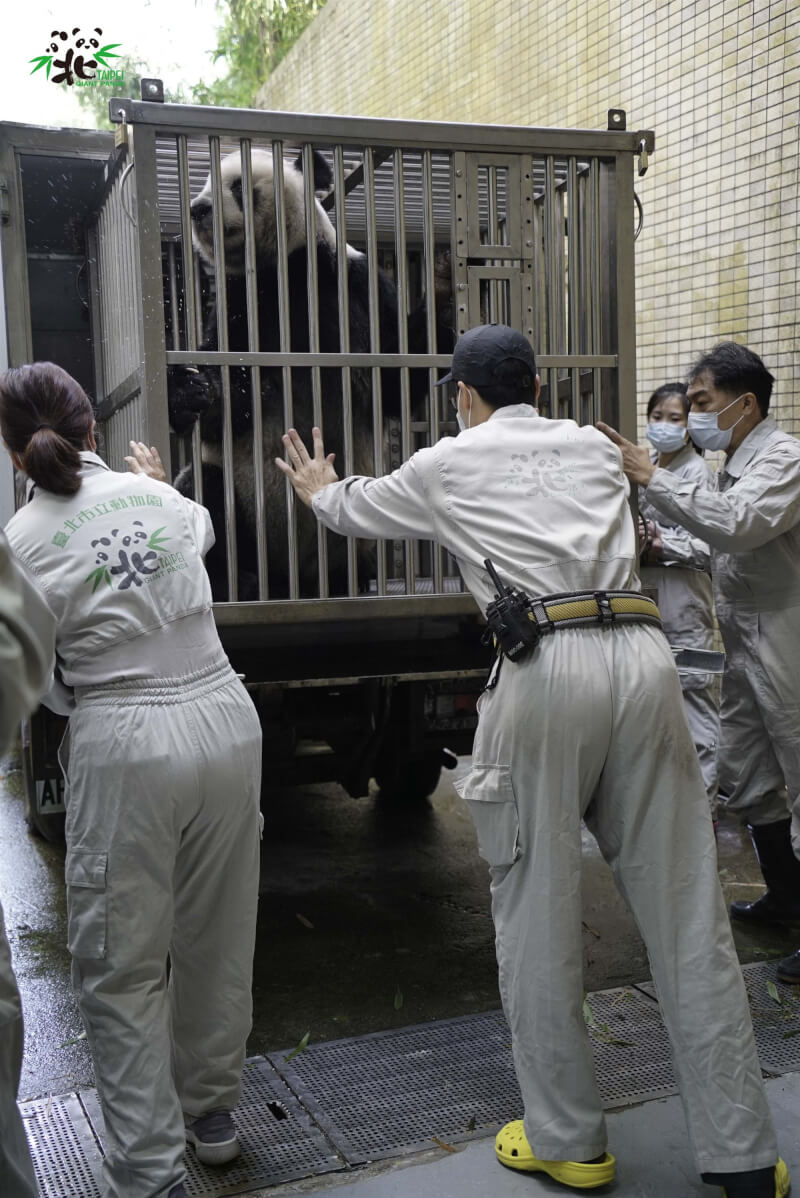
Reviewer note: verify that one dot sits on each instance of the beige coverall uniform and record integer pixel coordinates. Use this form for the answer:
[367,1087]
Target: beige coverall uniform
[591,726]
[27,657]
[163,781]
[751,521]
[683,592]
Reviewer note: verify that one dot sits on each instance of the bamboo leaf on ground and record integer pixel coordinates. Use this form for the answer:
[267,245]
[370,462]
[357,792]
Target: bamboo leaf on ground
[301,1047]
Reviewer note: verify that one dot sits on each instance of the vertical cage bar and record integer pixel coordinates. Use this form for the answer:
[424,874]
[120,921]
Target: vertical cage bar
[173,295]
[313,337]
[254,345]
[284,329]
[131,329]
[151,289]
[623,280]
[105,327]
[124,269]
[428,255]
[95,318]
[192,295]
[225,374]
[187,253]
[114,342]
[401,255]
[573,286]
[107,234]
[172,270]
[539,293]
[594,280]
[492,236]
[375,343]
[343,294]
[551,267]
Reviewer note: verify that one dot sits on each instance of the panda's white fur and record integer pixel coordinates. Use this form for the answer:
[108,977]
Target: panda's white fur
[196,392]
[265,227]
[265,241]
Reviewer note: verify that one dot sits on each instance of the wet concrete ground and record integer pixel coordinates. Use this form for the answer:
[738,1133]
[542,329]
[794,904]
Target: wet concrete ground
[372,916]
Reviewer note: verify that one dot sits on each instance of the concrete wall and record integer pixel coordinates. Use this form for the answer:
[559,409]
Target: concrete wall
[719,82]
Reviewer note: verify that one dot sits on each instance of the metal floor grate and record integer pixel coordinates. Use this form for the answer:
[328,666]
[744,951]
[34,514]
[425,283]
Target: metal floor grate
[391,1093]
[632,1055]
[66,1157]
[776,1024]
[279,1142]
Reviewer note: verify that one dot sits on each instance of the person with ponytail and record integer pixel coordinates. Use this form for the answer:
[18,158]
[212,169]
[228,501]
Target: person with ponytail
[162,760]
[675,564]
[27,656]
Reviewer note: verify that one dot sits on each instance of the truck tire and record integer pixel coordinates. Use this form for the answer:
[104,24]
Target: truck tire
[408,779]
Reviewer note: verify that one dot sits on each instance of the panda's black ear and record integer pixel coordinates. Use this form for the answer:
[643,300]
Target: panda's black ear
[323,175]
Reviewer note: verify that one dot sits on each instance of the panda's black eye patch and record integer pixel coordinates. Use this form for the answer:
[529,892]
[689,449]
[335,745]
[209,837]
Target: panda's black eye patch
[236,191]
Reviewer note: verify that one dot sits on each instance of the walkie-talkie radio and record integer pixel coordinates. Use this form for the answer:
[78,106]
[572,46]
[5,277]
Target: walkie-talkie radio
[507,619]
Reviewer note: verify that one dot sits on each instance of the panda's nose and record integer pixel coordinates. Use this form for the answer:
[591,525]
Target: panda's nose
[201,210]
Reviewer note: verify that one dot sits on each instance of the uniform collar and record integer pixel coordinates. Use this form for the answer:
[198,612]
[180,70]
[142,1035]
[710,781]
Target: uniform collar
[681,456]
[749,447]
[514,411]
[92,461]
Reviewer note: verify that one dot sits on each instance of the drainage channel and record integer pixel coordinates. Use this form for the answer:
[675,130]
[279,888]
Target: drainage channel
[340,1104]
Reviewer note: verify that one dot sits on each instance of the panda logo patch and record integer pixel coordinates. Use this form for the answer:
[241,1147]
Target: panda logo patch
[543,474]
[81,52]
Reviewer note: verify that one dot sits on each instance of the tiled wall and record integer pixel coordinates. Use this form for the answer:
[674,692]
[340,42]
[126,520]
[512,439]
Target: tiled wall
[718,82]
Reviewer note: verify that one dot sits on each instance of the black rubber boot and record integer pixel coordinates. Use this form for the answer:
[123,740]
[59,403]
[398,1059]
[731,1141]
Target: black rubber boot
[789,969]
[781,871]
[758,1183]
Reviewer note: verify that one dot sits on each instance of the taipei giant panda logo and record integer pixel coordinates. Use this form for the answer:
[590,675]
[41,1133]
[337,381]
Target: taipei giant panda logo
[76,57]
[543,474]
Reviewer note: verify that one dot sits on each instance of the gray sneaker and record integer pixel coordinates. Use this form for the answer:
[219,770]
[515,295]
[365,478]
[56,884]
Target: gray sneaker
[213,1137]
[177,1191]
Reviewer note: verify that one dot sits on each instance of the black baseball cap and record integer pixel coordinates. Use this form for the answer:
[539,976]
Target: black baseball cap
[479,352]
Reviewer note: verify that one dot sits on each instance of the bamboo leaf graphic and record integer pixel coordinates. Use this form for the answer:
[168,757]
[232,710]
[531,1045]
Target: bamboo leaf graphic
[105,52]
[40,61]
[156,540]
[99,575]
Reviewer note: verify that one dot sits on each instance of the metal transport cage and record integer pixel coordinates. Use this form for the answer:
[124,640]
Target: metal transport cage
[462,223]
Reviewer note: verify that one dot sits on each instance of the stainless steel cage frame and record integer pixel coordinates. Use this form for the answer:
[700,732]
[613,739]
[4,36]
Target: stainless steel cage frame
[539,224]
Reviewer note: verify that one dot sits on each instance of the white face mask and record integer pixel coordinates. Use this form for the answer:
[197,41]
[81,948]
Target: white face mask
[459,418]
[705,431]
[665,436]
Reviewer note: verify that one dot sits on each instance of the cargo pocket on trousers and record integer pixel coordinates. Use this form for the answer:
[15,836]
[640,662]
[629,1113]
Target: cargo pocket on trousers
[489,793]
[87,913]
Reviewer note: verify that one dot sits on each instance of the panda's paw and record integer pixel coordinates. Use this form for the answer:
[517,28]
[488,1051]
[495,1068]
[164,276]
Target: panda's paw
[190,395]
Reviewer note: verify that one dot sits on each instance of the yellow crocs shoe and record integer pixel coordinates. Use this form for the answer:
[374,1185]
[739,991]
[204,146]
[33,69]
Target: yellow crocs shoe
[782,1181]
[514,1151]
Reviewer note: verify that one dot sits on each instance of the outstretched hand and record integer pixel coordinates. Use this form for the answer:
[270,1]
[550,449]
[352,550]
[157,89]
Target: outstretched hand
[146,461]
[306,474]
[635,458]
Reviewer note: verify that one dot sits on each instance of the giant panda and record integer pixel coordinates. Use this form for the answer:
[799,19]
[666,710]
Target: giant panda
[196,393]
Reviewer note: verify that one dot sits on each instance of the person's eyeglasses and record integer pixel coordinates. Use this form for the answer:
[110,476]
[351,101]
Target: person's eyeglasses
[454,397]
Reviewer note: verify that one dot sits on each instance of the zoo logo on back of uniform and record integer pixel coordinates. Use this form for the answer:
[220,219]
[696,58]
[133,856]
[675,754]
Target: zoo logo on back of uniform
[77,56]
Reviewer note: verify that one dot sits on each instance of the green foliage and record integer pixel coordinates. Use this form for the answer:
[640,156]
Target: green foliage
[253,38]
[95,99]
